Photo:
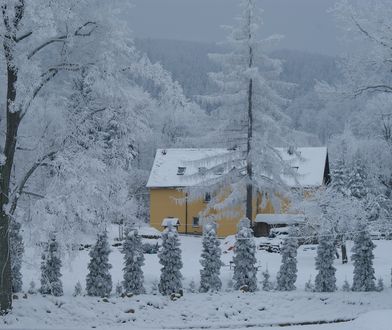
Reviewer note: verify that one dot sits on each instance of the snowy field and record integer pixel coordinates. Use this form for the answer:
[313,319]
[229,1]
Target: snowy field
[225,310]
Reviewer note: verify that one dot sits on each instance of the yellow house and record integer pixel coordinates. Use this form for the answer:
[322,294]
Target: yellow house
[175,169]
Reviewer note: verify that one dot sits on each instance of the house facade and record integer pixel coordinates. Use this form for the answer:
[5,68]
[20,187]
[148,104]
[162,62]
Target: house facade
[176,169]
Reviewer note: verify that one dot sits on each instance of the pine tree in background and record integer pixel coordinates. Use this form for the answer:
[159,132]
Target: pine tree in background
[363,260]
[357,180]
[133,262]
[170,259]
[78,289]
[210,260]
[346,286]
[99,280]
[340,177]
[244,258]
[380,284]
[309,286]
[32,289]
[325,279]
[267,285]
[50,269]
[17,250]
[287,274]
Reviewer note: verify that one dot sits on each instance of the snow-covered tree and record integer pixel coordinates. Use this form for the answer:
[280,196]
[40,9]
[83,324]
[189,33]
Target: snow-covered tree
[380,284]
[51,269]
[309,286]
[244,259]
[287,274]
[17,250]
[170,259]
[267,285]
[210,260]
[99,280]
[248,102]
[364,278]
[78,289]
[133,262]
[326,251]
[346,286]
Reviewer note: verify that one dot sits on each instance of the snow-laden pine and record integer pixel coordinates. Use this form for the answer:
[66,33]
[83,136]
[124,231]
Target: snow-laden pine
[133,262]
[170,259]
[266,284]
[287,275]
[364,278]
[99,280]
[51,269]
[325,279]
[16,252]
[210,260]
[244,258]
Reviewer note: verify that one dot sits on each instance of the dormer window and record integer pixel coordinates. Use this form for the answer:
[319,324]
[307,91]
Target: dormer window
[181,170]
[202,170]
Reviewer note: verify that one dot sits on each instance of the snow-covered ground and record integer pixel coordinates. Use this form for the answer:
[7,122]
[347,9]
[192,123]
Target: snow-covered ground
[225,310]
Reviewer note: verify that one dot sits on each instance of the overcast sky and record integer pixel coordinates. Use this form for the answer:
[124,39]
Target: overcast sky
[305,24]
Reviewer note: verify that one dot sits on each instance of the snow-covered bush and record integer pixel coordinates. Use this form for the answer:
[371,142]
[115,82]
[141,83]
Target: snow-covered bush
[244,258]
[346,286]
[50,269]
[380,284]
[309,286]
[170,259]
[32,288]
[133,262]
[99,280]
[363,260]
[210,261]
[325,279]
[287,274]
[119,289]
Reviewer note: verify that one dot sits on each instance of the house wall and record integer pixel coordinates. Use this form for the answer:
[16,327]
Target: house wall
[170,202]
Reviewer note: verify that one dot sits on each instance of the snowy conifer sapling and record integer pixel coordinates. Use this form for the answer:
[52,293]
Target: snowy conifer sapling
[133,262]
[210,261]
[267,285]
[50,269]
[363,260]
[244,258]
[170,259]
[325,279]
[99,280]
[287,274]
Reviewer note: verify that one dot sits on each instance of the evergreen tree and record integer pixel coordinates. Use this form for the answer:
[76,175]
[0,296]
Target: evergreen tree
[357,180]
[170,259]
[77,290]
[363,260]
[287,274]
[50,269]
[380,285]
[340,177]
[99,280]
[346,286]
[267,285]
[133,261]
[210,261]
[309,286]
[16,251]
[32,289]
[244,258]
[325,279]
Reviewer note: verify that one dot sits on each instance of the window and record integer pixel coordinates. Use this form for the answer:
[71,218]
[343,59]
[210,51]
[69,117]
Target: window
[181,170]
[195,222]
[202,170]
[219,170]
[207,198]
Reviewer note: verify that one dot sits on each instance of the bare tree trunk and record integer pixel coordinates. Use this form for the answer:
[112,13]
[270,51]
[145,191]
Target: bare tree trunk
[344,253]
[13,121]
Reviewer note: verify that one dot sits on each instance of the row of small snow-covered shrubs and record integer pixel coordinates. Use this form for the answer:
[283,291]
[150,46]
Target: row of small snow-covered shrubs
[99,281]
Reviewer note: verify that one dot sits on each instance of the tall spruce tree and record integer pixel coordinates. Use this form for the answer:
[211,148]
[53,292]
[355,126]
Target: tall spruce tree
[325,279]
[16,252]
[244,258]
[210,260]
[99,280]
[170,259]
[287,274]
[364,278]
[133,262]
[50,269]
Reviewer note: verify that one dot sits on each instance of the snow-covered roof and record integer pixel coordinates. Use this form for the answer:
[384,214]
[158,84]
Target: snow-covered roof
[280,219]
[174,167]
[310,167]
[174,222]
